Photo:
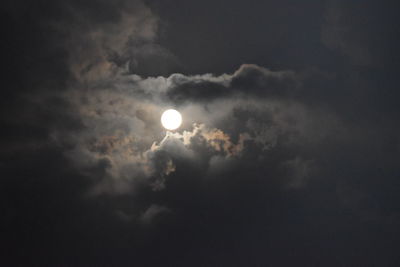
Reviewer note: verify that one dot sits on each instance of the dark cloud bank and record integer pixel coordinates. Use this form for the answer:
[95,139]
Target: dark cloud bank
[290,160]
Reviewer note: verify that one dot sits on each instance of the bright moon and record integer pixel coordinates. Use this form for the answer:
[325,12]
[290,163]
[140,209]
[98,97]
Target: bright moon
[171,119]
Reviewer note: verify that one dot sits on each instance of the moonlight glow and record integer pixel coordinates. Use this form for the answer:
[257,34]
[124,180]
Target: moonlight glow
[171,119]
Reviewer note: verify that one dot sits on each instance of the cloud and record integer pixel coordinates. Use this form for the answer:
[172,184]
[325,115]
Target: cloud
[359,35]
[248,81]
[152,212]
[253,120]
[339,34]
[267,159]
[122,128]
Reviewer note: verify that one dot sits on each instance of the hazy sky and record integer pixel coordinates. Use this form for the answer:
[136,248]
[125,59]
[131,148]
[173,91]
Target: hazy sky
[289,151]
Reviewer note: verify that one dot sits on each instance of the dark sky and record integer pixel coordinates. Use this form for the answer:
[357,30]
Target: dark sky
[288,155]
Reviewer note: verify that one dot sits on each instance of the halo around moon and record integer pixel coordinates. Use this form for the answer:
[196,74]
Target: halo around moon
[171,119]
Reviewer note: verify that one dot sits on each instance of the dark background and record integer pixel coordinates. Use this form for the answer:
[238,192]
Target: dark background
[347,215]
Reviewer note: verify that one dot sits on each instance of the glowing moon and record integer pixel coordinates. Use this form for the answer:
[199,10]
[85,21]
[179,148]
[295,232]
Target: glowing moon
[171,119]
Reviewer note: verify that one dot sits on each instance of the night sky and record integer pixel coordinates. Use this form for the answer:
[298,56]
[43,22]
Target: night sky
[288,154]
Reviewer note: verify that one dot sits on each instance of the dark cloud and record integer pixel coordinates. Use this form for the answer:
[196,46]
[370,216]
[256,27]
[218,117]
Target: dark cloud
[248,80]
[361,34]
[288,153]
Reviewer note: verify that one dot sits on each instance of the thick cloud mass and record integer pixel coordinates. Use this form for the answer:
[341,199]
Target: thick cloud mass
[286,155]
[225,116]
